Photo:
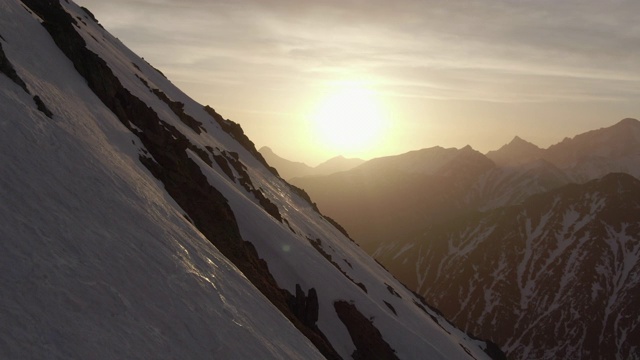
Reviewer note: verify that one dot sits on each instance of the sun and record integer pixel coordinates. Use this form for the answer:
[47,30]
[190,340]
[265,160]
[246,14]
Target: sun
[349,121]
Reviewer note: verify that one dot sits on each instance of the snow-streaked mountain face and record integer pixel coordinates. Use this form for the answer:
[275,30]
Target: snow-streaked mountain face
[510,185]
[136,223]
[556,277]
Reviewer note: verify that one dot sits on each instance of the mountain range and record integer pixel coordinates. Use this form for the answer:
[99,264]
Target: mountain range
[291,169]
[137,223]
[535,249]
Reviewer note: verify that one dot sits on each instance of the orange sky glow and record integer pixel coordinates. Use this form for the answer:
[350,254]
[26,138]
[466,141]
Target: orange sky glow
[390,77]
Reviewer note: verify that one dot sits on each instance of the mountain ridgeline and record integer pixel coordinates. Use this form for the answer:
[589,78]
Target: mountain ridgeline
[137,223]
[291,169]
[535,249]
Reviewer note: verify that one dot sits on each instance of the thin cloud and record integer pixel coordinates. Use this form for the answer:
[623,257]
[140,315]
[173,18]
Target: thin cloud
[493,50]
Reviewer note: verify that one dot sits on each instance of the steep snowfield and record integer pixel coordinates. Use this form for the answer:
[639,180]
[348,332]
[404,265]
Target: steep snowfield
[98,260]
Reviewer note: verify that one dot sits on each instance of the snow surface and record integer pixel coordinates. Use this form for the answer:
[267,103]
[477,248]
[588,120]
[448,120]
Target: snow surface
[97,261]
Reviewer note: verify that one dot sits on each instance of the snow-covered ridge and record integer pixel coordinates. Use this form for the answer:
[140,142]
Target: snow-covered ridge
[122,212]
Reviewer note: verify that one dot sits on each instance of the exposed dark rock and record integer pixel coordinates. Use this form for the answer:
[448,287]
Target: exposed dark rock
[235,130]
[7,68]
[305,307]
[365,336]
[158,71]
[303,194]
[337,226]
[170,163]
[144,82]
[267,205]
[494,351]
[393,291]
[42,107]
[224,165]
[317,244]
[178,109]
[230,159]
[435,319]
[82,21]
[89,14]
[425,303]
[390,307]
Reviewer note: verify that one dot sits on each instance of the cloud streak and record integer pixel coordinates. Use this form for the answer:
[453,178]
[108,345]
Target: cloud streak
[560,41]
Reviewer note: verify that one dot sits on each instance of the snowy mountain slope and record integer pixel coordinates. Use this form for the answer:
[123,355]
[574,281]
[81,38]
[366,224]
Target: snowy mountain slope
[556,277]
[96,260]
[137,223]
[511,185]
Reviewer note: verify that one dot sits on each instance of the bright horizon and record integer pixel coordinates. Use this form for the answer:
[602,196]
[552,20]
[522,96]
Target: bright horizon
[422,73]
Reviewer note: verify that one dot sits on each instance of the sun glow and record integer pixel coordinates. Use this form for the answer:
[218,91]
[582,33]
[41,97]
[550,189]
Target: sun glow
[350,121]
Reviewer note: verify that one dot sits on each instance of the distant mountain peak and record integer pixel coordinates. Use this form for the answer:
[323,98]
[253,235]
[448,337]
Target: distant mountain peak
[518,151]
[292,169]
[595,153]
[629,121]
[520,142]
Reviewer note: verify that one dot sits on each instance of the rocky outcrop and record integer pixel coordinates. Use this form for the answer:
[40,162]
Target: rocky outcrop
[235,130]
[178,109]
[305,307]
[366,337]
[7,68]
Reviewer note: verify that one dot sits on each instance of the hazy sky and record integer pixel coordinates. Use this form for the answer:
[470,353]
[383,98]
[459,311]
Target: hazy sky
[447,73]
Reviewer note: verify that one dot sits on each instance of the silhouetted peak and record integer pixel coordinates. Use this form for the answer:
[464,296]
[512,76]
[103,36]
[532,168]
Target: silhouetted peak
[518,151]
[470,152]
[521,144]
[628,122]
[266,149]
